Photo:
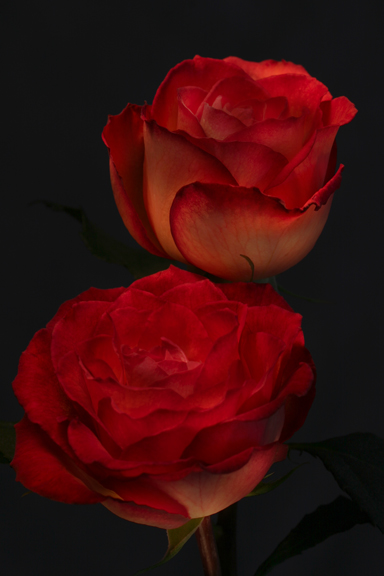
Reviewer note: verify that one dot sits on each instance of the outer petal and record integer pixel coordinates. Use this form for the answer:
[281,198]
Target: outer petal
[296,405]
[258,70]
[93,294]
[215,444]
[38,391]
[145,515]
[213,225]
[170,163]
[254,294]
[124,137]
[78,325]
[40,467]
[302,92]
[338,111]
[199,72]
[309,175]
[166,280]
[205,493]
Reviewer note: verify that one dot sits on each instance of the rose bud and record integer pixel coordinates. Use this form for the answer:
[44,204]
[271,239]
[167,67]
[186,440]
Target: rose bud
[164,401]
[232,157]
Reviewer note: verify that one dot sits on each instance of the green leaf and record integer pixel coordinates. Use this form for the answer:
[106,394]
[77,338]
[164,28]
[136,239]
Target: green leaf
[357,463]
[177,537]
[138,261]
[7,442]
[264,487]
[327,520]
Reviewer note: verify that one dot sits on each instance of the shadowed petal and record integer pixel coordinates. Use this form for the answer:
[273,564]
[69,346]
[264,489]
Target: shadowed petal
[40,467]
[124,137]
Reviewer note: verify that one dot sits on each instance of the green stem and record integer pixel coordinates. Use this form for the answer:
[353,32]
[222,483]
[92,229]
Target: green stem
[226,541]
[207,547]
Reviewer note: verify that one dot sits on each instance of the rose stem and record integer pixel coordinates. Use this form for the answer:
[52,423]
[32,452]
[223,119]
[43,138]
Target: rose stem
[226,541]
[207,547]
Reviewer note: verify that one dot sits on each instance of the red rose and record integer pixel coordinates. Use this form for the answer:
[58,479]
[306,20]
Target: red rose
[164,401]
[233,157]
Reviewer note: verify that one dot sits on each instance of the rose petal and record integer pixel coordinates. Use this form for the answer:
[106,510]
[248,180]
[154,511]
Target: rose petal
[190,335]
[123,136]
[216,321]
[144,492]
[38,390]
[92,294]
[217,123]
[297,405]
[287,137]
[199,72]
[165,280]
[254,294]
[170,163]
[260,353]
[251,111]
[127,431]
[223,354]
[302,92]
[206,493]
[338,111]
[309,175]
[98,355]
[261,228]
[192,296]
[144,514]
[189,99]
[78,325]
[251,164]
[41,467]
[271,319]
[258,70]
[129,324]
[219,442]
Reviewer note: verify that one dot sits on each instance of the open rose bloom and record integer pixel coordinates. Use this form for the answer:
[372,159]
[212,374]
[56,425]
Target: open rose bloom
[164,401]
[232,157]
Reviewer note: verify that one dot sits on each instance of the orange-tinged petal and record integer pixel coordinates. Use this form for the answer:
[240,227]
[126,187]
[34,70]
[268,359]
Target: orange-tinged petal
[124,137]
[207,492]
[213,225]
[171,162]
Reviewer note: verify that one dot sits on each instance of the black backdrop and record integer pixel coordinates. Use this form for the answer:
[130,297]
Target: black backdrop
[66,66]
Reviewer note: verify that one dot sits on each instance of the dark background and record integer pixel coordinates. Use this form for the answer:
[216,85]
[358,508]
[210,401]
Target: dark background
[66,65]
